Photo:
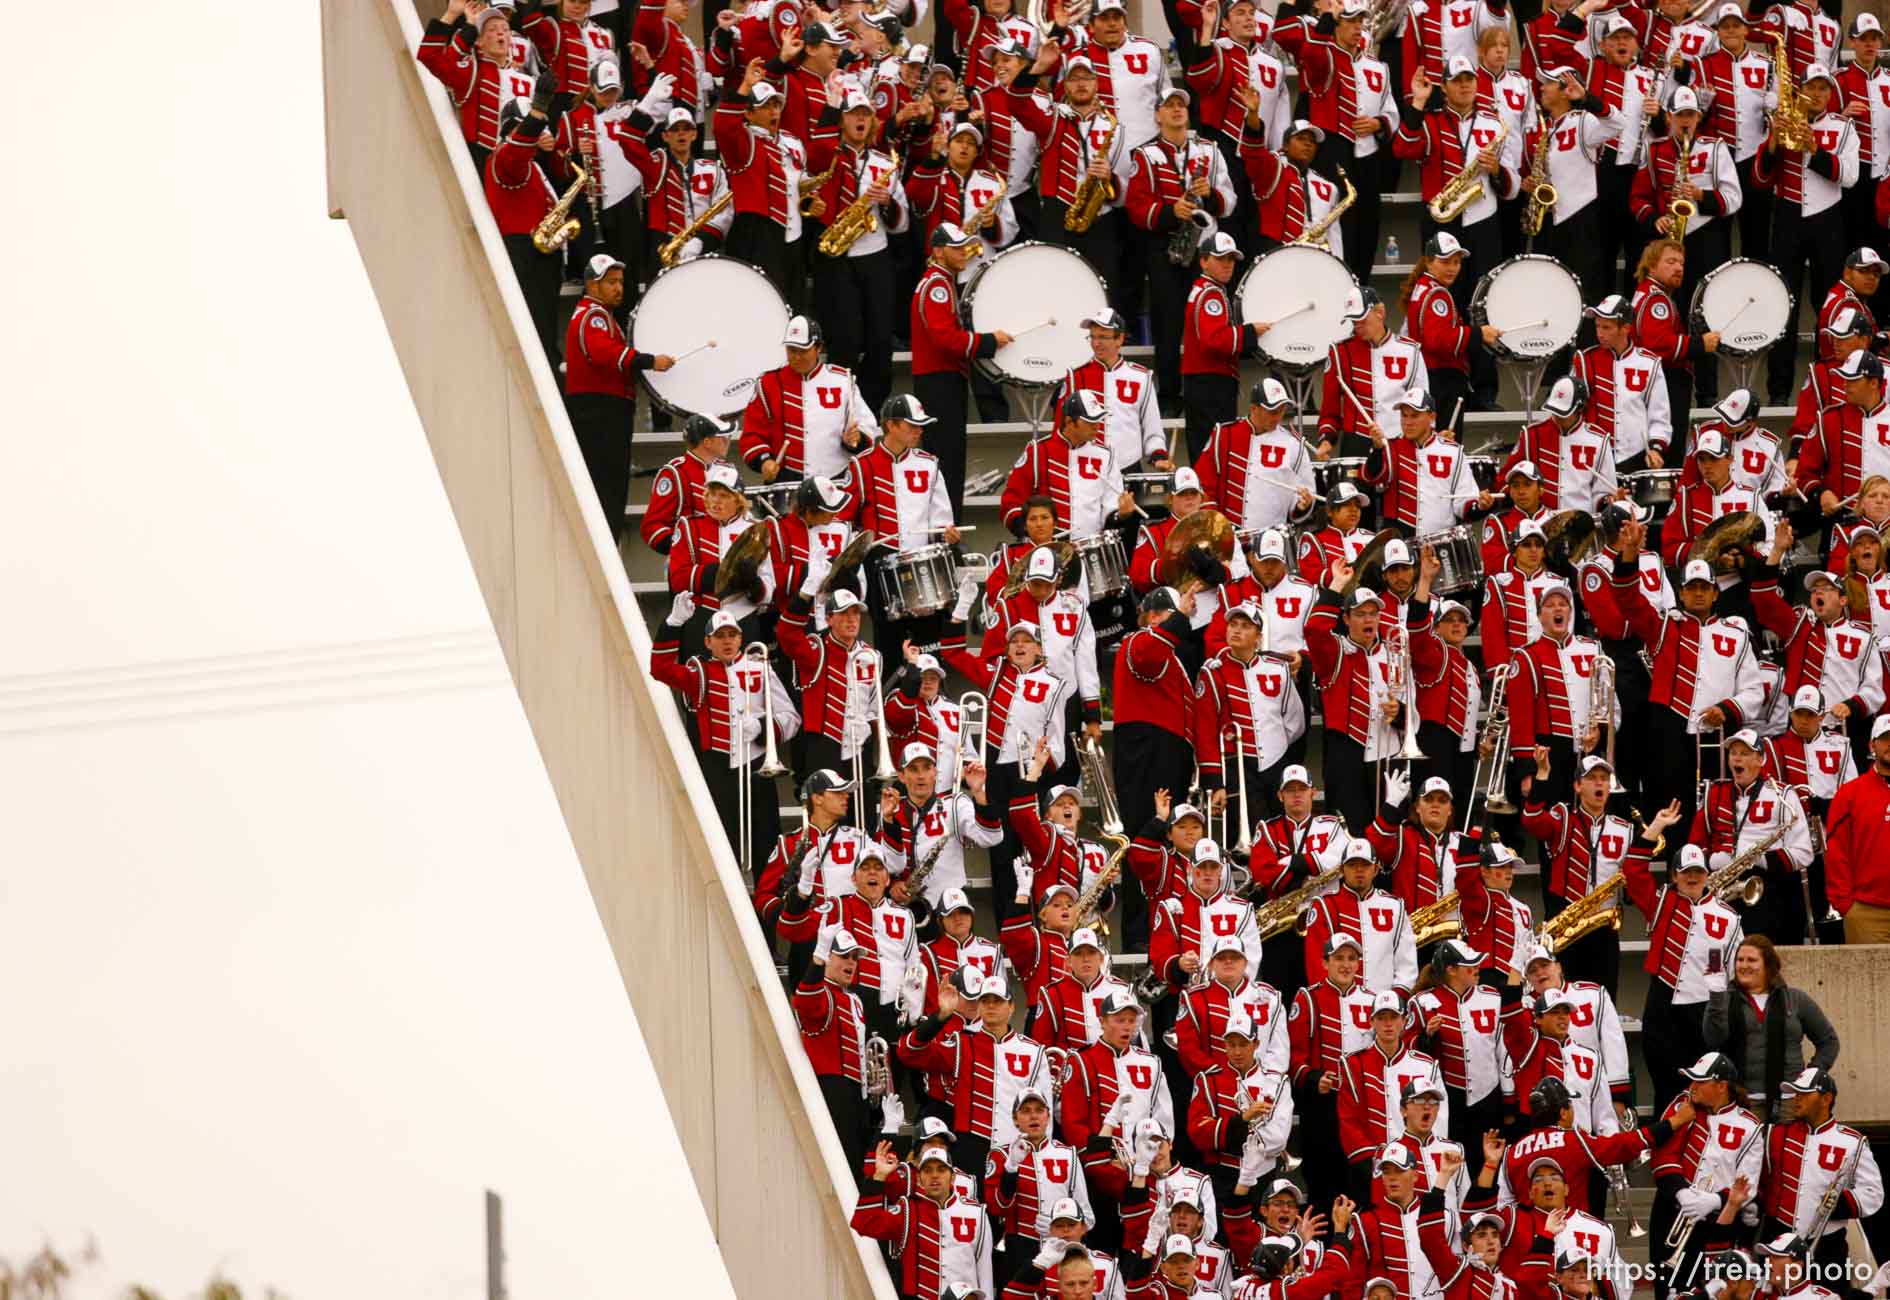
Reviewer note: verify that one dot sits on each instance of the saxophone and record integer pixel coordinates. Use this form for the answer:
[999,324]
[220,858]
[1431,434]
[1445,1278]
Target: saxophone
[1465,187]
[1185,243]
[1790,128]
[1541,193]
[558,227]
[1731,883]
[1434,922]
[1680,209]
[1091,193]
[983,216]
[1315,234]
[673,246]
[856,219]
[1278,915]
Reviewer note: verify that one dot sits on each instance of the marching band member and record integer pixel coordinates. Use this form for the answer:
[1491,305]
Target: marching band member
[679,188]
[1845,448]
[1758,462]
[1040,519]
[567,42]
[1431,317]
[978,29]
[943,349]
[824,844]
[1216,66]
[1132,427]
[1255,470]
[810,535]
[1210,343]
[941,1239]
[1450,701]
[658,28]
[1825,645]
[1241,1098]
[1621,85]
[808,416]
[1628,404]
[1377,919]
[1290,849]
[1113,1086]
[1229,994]
[1417,849]
[1536,1040]
[1061,618]
[1025,1180]
[1512,597]
[1083,142]
[1584,846]
[1550,696]
[1857,545]
[473,58]
[753,151]
[1554,35]
[1807,212]
[1388,1230]
[939,959]
[837,674]
[1658,324]
[1721,1144]
[1456,1018]
[1329,1019]
[600,392]
[1863,272]
[1511,96]
[1056,854]
[1244,690]
[1698,504]
[1580,130]
[1329,52]
[1553,1135]
[1130,71]
[927,827]
[1814,763]
[704,540]
[1478,1272]
[949,186]
[1372,1081]
[886,931]
[1812,35]
[1495,922]
[1438,31]
[990,1063]
[854,291]
[1073,465]
[1805,1159]
[897,490]
[1066,1014]
[1341,539]
[581,136]
[1282,603]
[524,176]
[1744,808]
[1522,488]
[1423,473]
[832,1022]
[1365,376]
[1279,176]
[1162,854]
[1371,153]
[1594,1023]
[1736,92]
[1575,458]
[730,697]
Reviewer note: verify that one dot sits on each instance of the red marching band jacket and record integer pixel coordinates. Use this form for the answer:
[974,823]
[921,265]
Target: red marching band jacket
[597,356]
[753,159]
[940,342]
[477,85]
[518,189]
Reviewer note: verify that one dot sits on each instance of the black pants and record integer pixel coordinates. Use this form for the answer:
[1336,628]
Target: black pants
[603,426]
[1360,225]
[1483,248]
[1620,233]
[1147,758]
[852,1121]
[1802,245]
[1671,763]
[1350,781]
[1449,387]
[623,239]
[1671,1040]
[1755,214]
[1100,245]
[757,240]
[1596,958]
[1206,400]
[1334,152]
[1706,249]
[1780,914]
[1468,1123]
[853,301]
[1326,1173]
[1445,756]
[1128,287]
[539,280]
[1168,287]
[944,395]
[1576,243]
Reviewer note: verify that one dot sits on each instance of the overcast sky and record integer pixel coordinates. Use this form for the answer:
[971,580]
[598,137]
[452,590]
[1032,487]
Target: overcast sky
[298,957]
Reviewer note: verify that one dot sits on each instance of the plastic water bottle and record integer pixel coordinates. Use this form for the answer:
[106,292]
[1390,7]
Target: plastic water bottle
[1391,248]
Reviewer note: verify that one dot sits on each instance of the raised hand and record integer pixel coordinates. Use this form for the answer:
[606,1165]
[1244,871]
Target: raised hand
[884,1162]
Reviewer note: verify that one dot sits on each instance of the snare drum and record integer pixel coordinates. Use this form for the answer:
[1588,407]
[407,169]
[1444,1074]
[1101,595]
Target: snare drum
[1105,567]
[915,583]
[711,297]
[1459,557]
[1022,286]
[1301,290]
[1328,474]
[1536,304]
[1652,489]
[1746,302]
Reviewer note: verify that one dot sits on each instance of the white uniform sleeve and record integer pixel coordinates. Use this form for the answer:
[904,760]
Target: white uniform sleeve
[901,218]
[1867,1186]
[975,831]
[1612,1041]
[1726,181]
[1659,415]
[1154,437]
[859,414]
[939,512]
[787,718]
[1847,156]
[1404,961]
[1088,679]
[726,217]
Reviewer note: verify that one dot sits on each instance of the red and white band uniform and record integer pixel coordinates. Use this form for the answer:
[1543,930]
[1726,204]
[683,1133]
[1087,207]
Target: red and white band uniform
[1066,1011]
[1419,863]
[568,47]
[1024,706]
[1160,174]
[1284,608]
[1451,696]
[1130,79]
[1495,923]
[793,546]
[1351,706]
[1258,698]
[1067,635]
[1057,856]
[939,194]
[1320,839]
[1386,1241]
[1426,486]
[730,701]
[1757,461]
[1370,1087]
[702,542]
[946,823]
[1620,91]
[1535,1056]
[1681,933]
[1737,94]
[1847,446]
[902,497]
[1815,768]
[1379,373]
[1800,178]
[1085,482]
[1580,136]
[1201,1024]
[1379,922]
[1554,38]
[836,681]
[1132,417]
[1835,657]
[614,177]
[1099,1077]
[1443,141]
[477,85]
[1812,36]
[1583,852]
[942,957]
[521,181]
[677,193]
[1464,1034]
[1872,89]
[1696,505]
[1712,1150]
[1710,165]
[888,941]
[1214,1123]
[988,1073]
[1733,819]
[1836,299]
[1802,1163]
[834,851]
[1047,1172]
[1437,31]
[1551,690]
[1196,1187]
[1512,97]
[1326,1024]
[1187,923]
[1432,319]
[936,723]
[1627,399]
[1697,663]
[758,165]
[1577,465]
[1318,550]
[936,1245]
[1499,533]
[800,420]
[833,1029]
[1242,472]
[858,170]
[597,356]
[1330,76]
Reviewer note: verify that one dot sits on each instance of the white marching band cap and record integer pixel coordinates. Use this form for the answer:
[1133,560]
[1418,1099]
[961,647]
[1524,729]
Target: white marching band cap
[1711,442]
[1177,1244]
[1738,406]
[801,332]
[1562,399]
[1206,850]
[1295,774]
[600,265]
[1117,1000]
[1084,405]
[761,94]
[843,600]
[1042,564]
[1744,736]
[723,476]
[1730,9]
[1459,66]
[1614,24]
[1683,100]
[1084,938]
[917,750]
[679,117]
[1416,399]
[1865,23]
[1221,244]
[1861,364]
[1066,1210]
[1181,810]
[844,944]
[1272,545]
[1340,939]
[1446,607]
[1527,530]
[1696,571]
[1387,1002]
[1357,850]
[1866,258]
[1239,1022]
[1269,394]
[721,620]
[928,663]
[1226,943]
[1538,952]
[1817,72]
[955,900]
[1435,785]
[1808,699]
[1881,727]
[1595,762]
[1525,468]
[606,75]
[1397,552]
[1693,857]
[1245,609]
[1185,480]
[1063,792]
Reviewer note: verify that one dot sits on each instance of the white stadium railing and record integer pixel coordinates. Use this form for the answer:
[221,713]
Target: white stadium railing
[720,1030]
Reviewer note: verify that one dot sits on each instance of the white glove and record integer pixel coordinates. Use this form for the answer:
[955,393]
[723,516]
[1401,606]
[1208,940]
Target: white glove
[1719,861]
[967,596]
[818,566]
[1051,1253]
[892,1113]
[1018,1154]
[824,945]
[681,609]
[810,863]
[1026,877]
[1118,1111]
[1880,1283]
[912,994]
[691,250]
[1253,1158]
[1397,786]
[1695,1204]
[1148,1139]
[655,101]
[1158,1221]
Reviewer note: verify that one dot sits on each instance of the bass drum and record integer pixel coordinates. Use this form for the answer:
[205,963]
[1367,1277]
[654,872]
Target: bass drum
[1746,302]
[711,297]
[1019,289]
[1301,290]
[1535,303]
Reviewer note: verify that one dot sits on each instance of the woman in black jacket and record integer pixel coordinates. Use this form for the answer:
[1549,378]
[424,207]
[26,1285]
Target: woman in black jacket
[1761,1022]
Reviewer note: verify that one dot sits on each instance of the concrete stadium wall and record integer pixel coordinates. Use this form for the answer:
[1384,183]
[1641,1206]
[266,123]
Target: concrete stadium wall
[720,1032]
[1852,986]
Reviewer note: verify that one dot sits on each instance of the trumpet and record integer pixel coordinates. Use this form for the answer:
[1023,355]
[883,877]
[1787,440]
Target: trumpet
[878,1068]
[771,765]
[1493,782]
[1057,1062]
[974,711]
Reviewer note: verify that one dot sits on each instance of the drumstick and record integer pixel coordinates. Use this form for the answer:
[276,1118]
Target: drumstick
[1532,325]
[1297,311]
[1339,374]
[1736,315]
[1455,411]
[684,356]
[1031,329]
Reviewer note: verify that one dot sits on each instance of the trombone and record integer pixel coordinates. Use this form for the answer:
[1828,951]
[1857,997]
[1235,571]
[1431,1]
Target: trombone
[1244,845]
[885,770]
[1601,705]
[771,765]
[1493,782]
[1401,685]
[1701,748]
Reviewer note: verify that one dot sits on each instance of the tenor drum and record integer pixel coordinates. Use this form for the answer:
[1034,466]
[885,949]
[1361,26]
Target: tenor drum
[1459,557]
[1652,489]
[1534,301]
[1105,567]
[915,583]
[711,297]
[1328,474]
[1301,291]
[1021,288]
[1746,302]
